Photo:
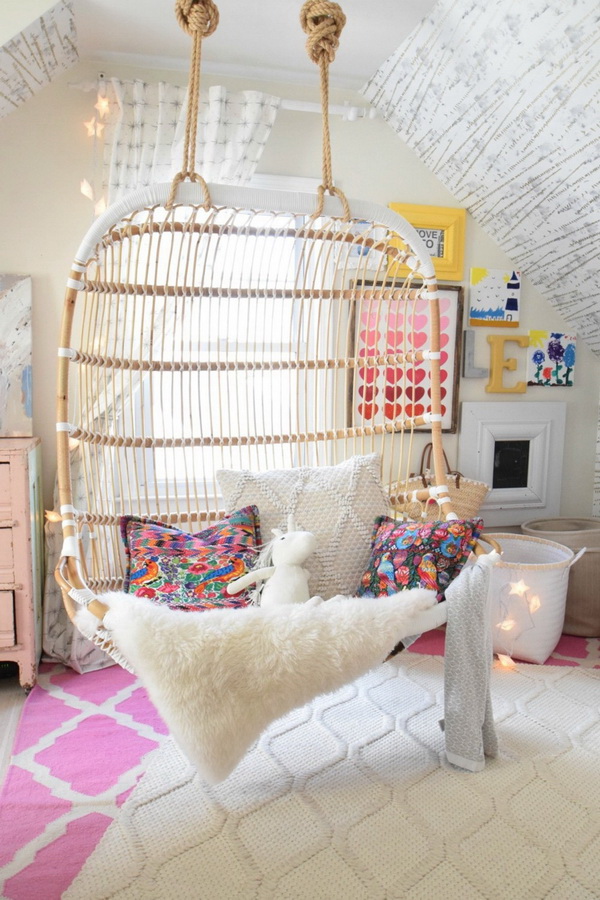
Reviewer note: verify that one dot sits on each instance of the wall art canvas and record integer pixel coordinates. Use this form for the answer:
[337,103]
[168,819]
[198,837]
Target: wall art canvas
[551,358]
[442,230]
[15,356]
[494,297]
[395,326]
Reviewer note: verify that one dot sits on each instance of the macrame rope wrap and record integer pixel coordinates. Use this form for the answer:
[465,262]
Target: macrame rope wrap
[323,21]
[198,18]
[197,15]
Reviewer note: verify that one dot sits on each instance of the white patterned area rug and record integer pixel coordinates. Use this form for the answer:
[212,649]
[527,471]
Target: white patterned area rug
[350,798]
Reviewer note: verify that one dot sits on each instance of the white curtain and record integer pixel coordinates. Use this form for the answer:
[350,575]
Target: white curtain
[146,125]
[143,144]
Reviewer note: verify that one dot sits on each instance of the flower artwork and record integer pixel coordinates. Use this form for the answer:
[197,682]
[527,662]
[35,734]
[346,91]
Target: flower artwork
[552,358]
[494,297]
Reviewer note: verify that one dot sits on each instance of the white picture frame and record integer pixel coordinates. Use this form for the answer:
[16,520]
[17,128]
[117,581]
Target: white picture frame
[543,426]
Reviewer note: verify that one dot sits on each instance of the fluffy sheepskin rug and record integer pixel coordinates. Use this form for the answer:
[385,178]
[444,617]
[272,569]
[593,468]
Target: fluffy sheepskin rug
[220,677]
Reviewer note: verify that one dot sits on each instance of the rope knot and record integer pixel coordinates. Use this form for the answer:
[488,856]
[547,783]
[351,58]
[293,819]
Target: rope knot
[322,20]
[197,15]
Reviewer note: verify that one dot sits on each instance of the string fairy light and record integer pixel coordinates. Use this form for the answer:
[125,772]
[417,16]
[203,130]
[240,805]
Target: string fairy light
[517,605]
[86,189]
[506,662]
[102,106]
[518,587]
[95,128]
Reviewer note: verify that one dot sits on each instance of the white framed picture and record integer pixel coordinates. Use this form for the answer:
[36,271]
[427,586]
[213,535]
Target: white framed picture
[516,448]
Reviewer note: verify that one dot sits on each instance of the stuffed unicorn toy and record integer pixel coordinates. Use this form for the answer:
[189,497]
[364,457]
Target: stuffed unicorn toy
[280,566]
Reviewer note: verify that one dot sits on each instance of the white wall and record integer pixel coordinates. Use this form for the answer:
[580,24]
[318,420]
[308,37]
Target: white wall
[44,154]
[18,14]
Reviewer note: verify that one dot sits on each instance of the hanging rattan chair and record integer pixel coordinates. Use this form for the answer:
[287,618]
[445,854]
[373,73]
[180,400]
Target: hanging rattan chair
[211,327]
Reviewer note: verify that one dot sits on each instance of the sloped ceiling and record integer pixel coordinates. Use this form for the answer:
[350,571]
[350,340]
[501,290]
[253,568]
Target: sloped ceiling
[501,100]
[36,54]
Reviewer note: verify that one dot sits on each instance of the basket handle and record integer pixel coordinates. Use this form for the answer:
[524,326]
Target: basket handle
[576,557]
[425,465]
[478,550]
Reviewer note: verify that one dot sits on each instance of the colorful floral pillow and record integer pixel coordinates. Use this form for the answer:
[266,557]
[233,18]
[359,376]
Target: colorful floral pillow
[417,554]
[190,571]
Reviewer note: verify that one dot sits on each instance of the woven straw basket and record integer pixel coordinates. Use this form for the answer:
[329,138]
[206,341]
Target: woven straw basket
[528,595]
[466,494]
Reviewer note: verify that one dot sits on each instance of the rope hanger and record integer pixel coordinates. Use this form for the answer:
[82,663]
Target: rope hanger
[199,19]
[322,21]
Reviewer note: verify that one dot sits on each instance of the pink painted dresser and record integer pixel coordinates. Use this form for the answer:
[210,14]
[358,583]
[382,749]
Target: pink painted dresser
[21,555]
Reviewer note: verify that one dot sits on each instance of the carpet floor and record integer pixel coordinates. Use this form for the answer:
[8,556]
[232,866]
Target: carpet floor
[351,798]
[84,742]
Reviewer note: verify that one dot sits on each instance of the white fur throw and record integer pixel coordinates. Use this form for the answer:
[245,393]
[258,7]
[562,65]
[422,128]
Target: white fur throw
[218,678]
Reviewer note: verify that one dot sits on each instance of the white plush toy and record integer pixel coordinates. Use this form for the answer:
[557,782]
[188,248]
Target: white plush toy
[280,565]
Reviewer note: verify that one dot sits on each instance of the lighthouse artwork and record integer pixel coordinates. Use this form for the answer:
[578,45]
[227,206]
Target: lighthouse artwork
[494,296]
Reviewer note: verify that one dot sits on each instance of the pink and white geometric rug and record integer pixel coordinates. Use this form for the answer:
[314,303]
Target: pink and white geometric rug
[570,650]
[82,745]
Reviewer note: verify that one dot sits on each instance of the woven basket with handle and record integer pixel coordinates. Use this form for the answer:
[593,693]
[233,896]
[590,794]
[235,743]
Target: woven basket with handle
[466,494]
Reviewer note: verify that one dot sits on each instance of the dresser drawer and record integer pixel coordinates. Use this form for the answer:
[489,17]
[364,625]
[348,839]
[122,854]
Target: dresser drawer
[7,619]
[5,503]
[7,567]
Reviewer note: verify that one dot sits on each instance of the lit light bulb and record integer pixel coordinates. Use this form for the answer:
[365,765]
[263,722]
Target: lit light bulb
[86,189]
[506,661]
[518,587]
[103,106]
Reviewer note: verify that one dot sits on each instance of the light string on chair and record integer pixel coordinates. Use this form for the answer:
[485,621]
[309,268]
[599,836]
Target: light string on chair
[199,19]
[323,20]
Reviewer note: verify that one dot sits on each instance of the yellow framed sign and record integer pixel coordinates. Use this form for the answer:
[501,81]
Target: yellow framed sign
[442,229]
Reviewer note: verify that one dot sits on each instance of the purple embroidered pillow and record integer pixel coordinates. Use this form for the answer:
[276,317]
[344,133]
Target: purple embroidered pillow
[190,571]
[417,554]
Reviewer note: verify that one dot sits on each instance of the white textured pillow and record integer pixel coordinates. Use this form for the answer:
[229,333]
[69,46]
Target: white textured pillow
[339,504]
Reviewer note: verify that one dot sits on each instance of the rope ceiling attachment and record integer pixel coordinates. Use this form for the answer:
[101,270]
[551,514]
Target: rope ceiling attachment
[323,22]
[199,19]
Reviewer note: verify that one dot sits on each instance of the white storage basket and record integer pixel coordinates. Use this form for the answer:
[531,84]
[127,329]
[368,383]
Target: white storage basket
[528,596]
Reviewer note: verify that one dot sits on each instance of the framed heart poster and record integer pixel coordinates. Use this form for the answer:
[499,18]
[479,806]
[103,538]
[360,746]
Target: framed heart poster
[388,324]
